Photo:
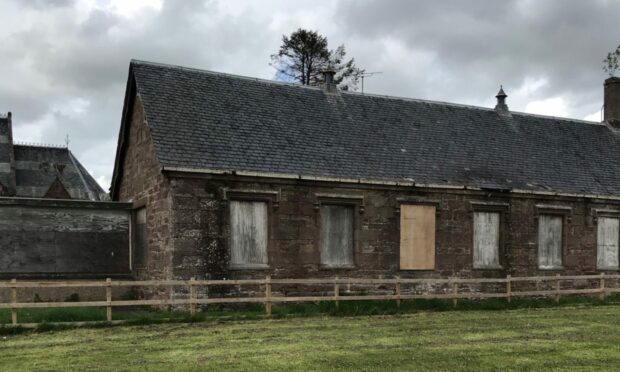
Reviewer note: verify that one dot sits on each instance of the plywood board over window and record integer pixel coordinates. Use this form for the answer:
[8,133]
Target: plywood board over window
[607,242]
[486,240]
[417,237]
[337,222]
[248,234]
[550,241]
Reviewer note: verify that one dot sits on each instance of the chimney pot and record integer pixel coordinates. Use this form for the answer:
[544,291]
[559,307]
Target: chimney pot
[612,102]
[502,108]
[328,79]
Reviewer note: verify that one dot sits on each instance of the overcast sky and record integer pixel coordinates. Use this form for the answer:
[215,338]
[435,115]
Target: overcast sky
[63,63]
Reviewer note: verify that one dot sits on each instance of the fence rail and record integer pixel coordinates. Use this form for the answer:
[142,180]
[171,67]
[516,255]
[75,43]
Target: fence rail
[603,288]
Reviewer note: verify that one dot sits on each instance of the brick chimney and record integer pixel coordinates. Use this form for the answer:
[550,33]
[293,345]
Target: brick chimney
[612,102]
[7,157]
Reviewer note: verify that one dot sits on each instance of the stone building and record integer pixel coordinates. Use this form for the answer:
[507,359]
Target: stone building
[238,177]
[39,171]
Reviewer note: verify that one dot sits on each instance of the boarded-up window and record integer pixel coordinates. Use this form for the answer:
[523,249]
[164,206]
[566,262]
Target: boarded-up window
[486,239]
[140,253]
[549,241]
[337,235]
[607,243]
[248,234]
[417,237]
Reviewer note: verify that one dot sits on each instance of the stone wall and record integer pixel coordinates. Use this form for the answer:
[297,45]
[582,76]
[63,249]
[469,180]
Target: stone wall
[44,238]
[142,183]
[199,230]
[55,294]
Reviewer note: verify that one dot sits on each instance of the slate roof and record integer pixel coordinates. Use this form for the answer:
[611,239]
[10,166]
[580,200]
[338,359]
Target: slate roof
[37,167]
[201,119]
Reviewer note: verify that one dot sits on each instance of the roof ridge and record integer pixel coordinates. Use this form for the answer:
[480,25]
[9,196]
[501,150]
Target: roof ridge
[463,105]
[385,96]
[40,145]
[226,74]
[582,121]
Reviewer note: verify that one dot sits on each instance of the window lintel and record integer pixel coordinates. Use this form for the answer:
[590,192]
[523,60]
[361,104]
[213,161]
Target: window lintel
[604,212]
[269,196]
[486,206]
[341,199]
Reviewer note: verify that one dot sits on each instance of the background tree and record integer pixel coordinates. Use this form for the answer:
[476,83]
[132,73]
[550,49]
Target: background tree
[304,55]
[610,63]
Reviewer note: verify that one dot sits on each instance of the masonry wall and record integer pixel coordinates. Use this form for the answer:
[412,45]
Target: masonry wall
[43,238]
[142,183]
[199,230]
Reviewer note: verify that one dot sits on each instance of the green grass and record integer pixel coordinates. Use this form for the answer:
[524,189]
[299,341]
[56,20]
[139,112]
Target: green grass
[145,315]
[557,338]
[83,314]
[353,308]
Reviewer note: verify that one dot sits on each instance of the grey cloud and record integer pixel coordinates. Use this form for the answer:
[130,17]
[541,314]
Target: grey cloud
[450,50]
[69,57]
[41,4]
[481,43]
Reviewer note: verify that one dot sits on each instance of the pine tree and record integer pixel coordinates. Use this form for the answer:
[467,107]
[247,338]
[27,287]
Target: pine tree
[304,55]
[610,63]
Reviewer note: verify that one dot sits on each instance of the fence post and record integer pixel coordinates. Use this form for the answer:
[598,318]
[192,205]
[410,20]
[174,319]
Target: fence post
[602,295]
[268,295]
[193,296]
[13,301]
[398,291]
[508,288]
[455,291]
[557,288]
[336,292]
[108,298]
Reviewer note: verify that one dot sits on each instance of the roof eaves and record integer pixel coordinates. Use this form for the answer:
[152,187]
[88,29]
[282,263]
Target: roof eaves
[404,183]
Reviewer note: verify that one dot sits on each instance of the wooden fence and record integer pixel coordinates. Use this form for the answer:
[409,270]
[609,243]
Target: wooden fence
[453,291]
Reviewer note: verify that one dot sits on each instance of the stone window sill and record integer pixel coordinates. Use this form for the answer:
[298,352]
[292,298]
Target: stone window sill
[494,267]
[550,268]
[429,270]
[608,268]
[337,267]
[248,266]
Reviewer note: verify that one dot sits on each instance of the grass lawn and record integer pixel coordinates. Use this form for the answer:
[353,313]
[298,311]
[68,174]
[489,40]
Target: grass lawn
[576,338]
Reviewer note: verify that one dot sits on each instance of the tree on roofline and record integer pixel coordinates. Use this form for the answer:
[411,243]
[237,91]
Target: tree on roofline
[304,55]
[610,63]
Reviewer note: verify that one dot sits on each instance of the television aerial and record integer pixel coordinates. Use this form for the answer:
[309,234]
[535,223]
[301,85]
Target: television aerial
[368,74]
